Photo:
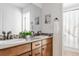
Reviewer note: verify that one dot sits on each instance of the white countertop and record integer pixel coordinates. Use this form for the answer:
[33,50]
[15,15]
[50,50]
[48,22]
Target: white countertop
[15,42]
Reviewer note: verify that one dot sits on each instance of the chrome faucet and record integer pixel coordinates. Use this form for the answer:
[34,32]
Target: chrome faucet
[4,35]
[8,35]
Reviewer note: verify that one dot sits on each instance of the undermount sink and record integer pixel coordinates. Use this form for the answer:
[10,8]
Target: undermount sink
[11,41]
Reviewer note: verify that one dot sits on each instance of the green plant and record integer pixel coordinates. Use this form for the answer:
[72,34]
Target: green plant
[24,34]
[29,33]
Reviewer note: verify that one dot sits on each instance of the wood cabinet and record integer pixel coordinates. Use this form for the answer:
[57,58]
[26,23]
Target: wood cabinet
[46,41]
[26,54]
[36,52]
[36,48]
[49,50]
[36,44]
[47,47]
[17,50]
[44,50]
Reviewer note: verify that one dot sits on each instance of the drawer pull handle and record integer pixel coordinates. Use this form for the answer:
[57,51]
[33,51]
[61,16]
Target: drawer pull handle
[37,44]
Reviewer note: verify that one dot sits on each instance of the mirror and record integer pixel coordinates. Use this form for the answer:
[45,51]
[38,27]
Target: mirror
[17,17]
[31,14]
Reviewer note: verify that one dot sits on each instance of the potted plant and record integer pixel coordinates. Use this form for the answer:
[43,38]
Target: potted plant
[28,34]
[22,34]
[25,34]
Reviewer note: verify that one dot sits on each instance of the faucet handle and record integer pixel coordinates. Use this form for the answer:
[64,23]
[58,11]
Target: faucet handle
[3,32]
[9,32]
[4,35]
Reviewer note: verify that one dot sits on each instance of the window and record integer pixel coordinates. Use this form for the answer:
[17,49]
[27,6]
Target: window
[71,29]
[26,21]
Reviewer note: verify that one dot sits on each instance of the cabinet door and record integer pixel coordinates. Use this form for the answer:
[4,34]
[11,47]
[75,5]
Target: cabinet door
[27,54]
[44,50]
[49,49]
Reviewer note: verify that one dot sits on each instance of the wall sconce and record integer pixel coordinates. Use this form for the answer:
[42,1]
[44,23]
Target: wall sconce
[56,19]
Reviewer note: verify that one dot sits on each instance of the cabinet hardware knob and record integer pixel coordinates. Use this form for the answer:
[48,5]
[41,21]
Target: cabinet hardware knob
[42,48]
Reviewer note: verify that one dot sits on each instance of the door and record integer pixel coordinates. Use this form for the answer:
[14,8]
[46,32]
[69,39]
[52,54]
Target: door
[57,41]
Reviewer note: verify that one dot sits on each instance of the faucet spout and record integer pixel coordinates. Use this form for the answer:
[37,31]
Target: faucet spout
[8,34]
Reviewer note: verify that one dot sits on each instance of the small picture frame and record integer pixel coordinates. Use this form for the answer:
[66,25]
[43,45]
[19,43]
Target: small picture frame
[47,19]
[37,20]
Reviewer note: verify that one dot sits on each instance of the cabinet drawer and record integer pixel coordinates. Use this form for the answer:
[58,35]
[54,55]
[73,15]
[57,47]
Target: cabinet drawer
[17,50]
[26,54]
[36,52]
[36,44]
[46,41]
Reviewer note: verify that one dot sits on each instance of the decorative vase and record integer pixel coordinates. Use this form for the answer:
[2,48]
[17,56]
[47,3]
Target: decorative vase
[28,37]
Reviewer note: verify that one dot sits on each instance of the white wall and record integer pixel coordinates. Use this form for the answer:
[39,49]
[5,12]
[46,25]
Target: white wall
[34,12]
[55,9]
[11,18]
[1,20]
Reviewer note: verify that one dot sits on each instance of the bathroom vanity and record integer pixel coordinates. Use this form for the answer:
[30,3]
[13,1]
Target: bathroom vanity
[37,46]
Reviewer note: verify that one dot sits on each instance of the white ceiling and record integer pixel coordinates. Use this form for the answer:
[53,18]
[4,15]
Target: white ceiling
[22,5]
[65,5]
[38,4]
